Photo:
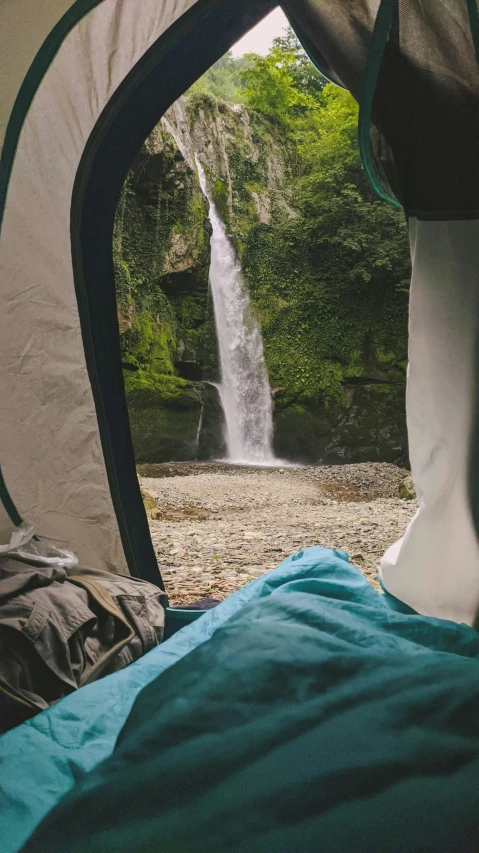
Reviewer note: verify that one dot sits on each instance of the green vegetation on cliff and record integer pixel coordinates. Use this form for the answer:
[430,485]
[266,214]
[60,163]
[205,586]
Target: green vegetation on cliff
[326,261]
[161,257]
[331,284]
[161,251]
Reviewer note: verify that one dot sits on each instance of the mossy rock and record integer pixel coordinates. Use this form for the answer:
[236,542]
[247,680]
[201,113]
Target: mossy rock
[164,420]
[160,432]
[406,490]
[300,435]
[372,427]
[369,427]
[149,502]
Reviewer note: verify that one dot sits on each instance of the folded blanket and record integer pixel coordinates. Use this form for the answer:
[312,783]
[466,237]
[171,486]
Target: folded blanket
[315,719]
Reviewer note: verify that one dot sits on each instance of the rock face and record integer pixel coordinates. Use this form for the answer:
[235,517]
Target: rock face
[161,254]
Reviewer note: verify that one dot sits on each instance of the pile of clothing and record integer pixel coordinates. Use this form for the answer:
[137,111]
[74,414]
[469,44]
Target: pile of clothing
[62,628]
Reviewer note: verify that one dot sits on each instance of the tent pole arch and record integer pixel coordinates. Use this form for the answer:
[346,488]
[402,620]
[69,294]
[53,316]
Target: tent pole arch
[183,54]
[105,81]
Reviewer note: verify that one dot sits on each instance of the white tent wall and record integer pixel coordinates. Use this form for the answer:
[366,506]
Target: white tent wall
[435,567]
[50,446]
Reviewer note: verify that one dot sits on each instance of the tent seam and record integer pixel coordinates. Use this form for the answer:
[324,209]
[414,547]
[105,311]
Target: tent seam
[33,78]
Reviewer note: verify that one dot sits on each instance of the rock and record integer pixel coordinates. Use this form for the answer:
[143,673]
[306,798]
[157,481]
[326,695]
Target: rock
[156,514]
[406,490]
[165,415]
[178,552]
[370,426]
[149,500]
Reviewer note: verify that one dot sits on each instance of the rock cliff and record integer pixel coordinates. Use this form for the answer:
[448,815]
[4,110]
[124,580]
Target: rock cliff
[339,391]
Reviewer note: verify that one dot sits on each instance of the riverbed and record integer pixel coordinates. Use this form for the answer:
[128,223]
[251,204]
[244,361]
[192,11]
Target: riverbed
[215,527]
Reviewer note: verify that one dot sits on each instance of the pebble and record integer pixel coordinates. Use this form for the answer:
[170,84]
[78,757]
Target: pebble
[262,515]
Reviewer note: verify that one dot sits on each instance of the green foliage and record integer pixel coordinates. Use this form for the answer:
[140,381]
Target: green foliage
[168,388]
[220,197]
[330,286]
[327,146]
[284,85]
[305,76]
[270,87]
[151,341]
[224,79]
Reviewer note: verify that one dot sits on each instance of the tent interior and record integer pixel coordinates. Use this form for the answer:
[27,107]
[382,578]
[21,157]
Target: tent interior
[307,711]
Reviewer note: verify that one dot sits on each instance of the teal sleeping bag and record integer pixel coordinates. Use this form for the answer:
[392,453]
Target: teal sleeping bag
[41,760]
[318,718]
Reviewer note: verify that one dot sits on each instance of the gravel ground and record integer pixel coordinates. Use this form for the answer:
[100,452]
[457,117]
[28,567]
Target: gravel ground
[215,527]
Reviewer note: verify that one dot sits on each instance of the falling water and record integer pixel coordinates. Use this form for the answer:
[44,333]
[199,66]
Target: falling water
[244,390]
[200,427]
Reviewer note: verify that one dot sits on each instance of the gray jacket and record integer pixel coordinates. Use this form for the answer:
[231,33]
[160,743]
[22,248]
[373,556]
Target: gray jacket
[60,631]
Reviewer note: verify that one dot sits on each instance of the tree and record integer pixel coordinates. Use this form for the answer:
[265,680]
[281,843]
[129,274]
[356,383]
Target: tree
[224,80]
[271,88]
[305,75]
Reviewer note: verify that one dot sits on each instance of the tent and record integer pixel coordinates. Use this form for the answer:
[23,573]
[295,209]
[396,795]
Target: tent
[83,85]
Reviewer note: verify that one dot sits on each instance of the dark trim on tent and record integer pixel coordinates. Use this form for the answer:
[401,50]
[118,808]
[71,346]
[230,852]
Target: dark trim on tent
[443,215]
[7,502]
[170,66]
[379,38]
[26,94]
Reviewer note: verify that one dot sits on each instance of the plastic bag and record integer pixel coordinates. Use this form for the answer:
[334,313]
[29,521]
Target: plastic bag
[40,551]
[19,537]
[43,552]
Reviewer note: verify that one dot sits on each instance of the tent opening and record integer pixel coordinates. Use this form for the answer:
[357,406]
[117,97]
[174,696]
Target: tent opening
[238,210]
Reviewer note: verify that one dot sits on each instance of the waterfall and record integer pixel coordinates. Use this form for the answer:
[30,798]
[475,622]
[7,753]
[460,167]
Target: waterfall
[244,390]
[200,427]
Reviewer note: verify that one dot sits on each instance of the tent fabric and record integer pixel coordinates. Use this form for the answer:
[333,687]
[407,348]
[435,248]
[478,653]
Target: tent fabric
[424,91]
[426,108]
[337,35]
[435,567]
[65,449]
[50,445]
[315,718]
[418,79]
